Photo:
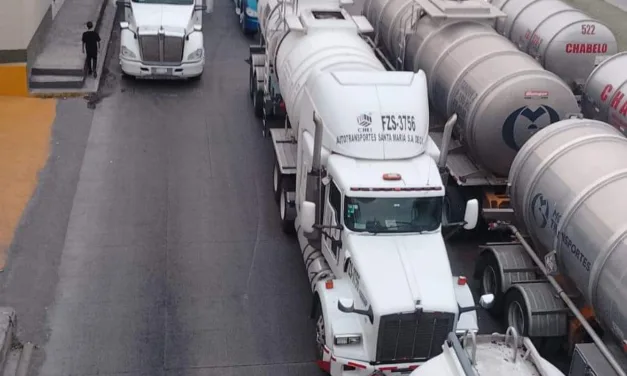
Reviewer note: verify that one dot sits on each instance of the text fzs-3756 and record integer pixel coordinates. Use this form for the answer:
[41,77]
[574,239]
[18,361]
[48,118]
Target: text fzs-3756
[397,122]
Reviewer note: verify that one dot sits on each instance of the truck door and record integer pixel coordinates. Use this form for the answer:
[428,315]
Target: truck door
[331,216]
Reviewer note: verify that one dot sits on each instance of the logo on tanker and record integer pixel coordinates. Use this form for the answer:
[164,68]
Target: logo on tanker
[525,121]
[365,120]
[540,210]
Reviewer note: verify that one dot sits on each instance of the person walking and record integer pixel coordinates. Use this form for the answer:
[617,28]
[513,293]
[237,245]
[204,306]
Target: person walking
[91,46]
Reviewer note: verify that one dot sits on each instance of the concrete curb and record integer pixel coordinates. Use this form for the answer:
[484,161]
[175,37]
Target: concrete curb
[8,322]
[62,95]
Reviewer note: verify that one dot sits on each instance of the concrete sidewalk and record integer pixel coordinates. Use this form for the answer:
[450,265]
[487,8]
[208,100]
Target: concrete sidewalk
[62,46]
[60,66]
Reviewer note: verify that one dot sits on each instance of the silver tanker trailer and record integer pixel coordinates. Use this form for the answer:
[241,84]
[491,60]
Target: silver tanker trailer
[604,92]
[565,40]
[501,95]
[567,189]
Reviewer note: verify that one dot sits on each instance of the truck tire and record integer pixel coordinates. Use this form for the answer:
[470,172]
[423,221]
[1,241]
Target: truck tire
[454,204]
[320,332]
[287,225]
[516,312]
[251,80]
[257,99]
[277,181]
[489,276]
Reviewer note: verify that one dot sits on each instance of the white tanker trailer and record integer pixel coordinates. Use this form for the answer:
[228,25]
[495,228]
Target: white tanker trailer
[501,95]
[488,355]
[604,93]
[567,188]
[356,178]
[565,40]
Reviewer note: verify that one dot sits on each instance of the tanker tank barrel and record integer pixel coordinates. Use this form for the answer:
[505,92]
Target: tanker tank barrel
[562,294]
[563,39]
[578,221]
[500,94]
[604,92]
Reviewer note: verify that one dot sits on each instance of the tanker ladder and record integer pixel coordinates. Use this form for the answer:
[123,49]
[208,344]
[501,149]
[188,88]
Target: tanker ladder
[535,303]
[496,355]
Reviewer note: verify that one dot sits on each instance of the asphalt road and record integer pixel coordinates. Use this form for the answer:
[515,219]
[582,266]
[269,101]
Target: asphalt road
[153,246]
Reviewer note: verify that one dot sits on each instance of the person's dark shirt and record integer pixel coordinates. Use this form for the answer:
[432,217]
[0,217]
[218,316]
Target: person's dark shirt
[91,39]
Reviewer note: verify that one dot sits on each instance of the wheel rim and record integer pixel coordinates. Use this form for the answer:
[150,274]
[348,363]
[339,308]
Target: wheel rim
[275,179]
[320,335]
[488,281]
[283,206]
[516,318]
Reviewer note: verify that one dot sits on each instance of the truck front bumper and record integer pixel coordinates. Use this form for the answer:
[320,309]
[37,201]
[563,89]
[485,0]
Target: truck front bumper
[141,70]
[338,366]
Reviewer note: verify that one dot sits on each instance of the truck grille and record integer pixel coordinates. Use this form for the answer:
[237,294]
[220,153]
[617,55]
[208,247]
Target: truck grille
[412,337]
[162,49]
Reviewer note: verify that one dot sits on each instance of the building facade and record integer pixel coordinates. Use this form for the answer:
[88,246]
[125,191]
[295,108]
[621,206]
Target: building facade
[23,26]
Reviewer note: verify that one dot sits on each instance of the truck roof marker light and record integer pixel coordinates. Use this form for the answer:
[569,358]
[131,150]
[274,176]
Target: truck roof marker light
[396,189]
[328,284]
[391,177]
[461,280]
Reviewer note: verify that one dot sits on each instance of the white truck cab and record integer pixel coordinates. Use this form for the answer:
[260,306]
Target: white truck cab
[388,298]
[162,39]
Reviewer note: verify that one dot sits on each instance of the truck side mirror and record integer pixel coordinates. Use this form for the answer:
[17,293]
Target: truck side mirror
[486,301]
[471,216]
[124,25]
[346,305]
[307,216]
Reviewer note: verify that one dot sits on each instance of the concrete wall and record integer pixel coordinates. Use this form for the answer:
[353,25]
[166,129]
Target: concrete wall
[23,24]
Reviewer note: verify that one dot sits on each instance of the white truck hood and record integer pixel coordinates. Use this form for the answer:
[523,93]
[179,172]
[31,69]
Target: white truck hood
[396,271]
[168,16]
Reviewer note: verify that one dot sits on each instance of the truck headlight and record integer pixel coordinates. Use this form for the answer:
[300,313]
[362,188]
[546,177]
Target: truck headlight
[251,13]
[196,55]
[347,339]
[127,53]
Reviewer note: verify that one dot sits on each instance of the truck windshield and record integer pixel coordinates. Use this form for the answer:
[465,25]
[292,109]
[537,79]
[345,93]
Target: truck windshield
[167,2]
[390,214]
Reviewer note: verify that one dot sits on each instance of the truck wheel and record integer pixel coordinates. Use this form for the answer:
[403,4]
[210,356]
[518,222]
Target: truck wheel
[516,312]
[286,225]
[251,80]
[320,333]
[257,99]
[487,271]
[277,180]
[454,204]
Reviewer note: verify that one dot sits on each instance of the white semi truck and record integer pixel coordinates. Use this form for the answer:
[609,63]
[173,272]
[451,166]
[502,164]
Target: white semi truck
[162,39]
[562,280]
[501,95]
[356,179]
